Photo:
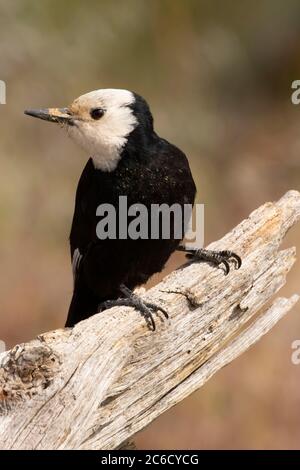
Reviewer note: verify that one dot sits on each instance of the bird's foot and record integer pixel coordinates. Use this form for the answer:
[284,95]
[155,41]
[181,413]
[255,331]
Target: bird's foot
[130,299]
[216,258]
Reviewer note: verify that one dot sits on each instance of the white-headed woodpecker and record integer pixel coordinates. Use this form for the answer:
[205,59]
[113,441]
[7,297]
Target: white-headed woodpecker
[129,159]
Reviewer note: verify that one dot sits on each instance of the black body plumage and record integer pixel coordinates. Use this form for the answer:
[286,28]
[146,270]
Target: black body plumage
[150,171]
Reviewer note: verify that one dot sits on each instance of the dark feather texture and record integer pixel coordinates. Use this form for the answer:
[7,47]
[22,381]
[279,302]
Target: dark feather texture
[150,171]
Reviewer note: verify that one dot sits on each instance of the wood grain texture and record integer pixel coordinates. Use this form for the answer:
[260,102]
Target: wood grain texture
[96,385]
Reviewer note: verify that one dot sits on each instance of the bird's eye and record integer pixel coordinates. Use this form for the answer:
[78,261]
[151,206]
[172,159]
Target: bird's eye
[97,113]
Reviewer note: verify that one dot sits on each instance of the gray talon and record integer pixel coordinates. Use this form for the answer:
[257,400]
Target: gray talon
[147,309]
[217,258]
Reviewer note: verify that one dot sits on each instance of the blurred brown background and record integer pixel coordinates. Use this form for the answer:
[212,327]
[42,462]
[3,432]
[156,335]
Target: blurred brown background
[218,78]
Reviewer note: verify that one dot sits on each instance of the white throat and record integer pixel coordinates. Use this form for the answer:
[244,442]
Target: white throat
[107,155]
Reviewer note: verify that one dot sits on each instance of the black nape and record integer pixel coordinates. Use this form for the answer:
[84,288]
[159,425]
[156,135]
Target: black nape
[142,112]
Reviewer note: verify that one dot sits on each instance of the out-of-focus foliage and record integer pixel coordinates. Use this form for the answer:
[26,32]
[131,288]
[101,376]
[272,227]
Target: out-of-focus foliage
[217,76]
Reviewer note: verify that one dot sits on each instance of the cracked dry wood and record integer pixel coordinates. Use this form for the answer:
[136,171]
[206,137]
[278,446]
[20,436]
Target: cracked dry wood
[96,385]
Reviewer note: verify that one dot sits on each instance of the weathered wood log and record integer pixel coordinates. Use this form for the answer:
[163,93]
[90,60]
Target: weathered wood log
[96,385]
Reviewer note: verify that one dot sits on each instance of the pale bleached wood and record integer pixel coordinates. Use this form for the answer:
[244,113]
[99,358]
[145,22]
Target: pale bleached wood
[96,385]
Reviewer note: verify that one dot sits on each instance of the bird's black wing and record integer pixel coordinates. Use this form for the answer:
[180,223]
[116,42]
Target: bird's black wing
[83,231]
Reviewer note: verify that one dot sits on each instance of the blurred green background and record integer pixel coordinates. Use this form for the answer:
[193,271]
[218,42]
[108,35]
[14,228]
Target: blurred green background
[218,78]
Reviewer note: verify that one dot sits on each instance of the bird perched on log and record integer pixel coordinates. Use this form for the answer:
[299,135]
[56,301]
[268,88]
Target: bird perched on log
[127,158]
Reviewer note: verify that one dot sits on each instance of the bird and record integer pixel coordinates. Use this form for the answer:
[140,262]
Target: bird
[126,158]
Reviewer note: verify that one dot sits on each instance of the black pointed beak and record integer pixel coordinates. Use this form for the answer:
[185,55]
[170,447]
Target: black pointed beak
[60,115]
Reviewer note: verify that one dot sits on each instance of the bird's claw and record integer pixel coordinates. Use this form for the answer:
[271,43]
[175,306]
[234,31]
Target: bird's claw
[217,258]
[147,309]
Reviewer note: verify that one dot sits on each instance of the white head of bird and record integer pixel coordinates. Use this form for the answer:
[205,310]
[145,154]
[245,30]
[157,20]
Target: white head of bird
[100,122]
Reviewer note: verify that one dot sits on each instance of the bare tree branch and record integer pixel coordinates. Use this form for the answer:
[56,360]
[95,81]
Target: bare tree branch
[96,385]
